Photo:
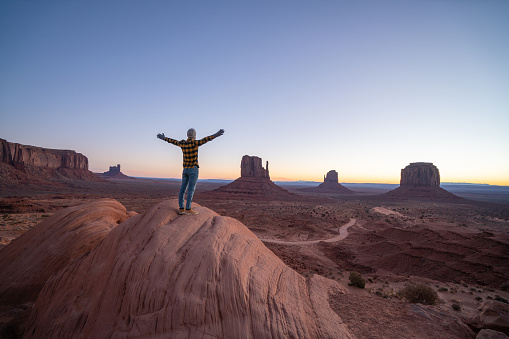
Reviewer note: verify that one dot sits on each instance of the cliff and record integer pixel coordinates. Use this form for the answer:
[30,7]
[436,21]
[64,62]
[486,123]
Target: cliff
[421,181]
[420,174]
[251,167]
[24,163]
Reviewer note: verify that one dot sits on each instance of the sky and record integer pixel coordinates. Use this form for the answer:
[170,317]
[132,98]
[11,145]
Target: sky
[362,87]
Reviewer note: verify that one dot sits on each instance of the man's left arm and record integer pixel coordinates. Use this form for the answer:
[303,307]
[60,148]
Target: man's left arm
[210,137]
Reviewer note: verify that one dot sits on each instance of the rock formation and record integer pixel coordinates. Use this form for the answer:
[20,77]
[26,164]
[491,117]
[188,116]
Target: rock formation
[332,176]
[493,315]
[29,260]
[420,174]
[330,185]
[114,173]
[421,180]
[23,163]
[251,167]
[161,275]
[254,182]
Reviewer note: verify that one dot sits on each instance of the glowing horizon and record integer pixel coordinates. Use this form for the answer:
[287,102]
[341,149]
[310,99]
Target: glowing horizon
[364,88]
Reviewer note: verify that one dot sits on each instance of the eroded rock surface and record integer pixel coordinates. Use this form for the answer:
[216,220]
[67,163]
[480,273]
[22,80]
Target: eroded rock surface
[161,275]
[330,185]
[251,167]
[29,260]
[420,174]
[24,163]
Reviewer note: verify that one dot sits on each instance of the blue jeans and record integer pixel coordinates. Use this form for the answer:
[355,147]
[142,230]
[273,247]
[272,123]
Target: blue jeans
[189,180]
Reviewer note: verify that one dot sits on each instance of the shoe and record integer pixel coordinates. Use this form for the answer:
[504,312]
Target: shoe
[191,212]
[181,211]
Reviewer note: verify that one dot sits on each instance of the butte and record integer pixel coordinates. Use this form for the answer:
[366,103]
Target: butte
[330,184]
[421,181]
[254,182]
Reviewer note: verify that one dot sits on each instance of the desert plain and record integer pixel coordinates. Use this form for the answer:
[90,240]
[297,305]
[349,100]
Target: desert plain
[458,248]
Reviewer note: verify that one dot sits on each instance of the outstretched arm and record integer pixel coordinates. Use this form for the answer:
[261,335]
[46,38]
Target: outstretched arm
[211,137]
[171,141]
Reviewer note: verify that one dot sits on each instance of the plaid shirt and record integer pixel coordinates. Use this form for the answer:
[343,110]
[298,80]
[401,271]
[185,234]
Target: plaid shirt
[190,149]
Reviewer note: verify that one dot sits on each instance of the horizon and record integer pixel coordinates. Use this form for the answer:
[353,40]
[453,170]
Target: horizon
[363,88]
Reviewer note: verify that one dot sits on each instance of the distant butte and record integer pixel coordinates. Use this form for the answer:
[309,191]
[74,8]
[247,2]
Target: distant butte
[330,185]
[114,173]
[30,164]
[254,182]
[421,180]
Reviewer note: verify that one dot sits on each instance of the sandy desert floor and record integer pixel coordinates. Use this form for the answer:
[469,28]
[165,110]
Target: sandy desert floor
[459,249]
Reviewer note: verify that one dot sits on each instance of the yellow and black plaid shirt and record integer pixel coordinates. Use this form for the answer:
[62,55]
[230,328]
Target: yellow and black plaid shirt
[190,149]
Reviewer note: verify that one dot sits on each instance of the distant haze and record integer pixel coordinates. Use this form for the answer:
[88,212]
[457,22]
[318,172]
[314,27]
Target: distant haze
[361,87]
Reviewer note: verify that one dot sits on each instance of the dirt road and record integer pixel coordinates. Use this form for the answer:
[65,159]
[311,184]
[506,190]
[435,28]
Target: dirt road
[343,233]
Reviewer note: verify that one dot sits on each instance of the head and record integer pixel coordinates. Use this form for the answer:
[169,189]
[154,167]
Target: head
[191,133]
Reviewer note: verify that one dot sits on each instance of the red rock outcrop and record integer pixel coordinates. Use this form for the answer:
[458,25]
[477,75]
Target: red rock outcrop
[29,260]
[114,173]
[330,185]
[161,275]
[254,182]
[420,174]
[421,180]
[251,167]
[24,163]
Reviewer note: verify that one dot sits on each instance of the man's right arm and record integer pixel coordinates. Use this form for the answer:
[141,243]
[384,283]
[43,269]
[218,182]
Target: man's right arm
[170,140]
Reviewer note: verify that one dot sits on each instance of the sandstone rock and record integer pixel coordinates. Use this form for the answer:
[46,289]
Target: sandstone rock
[22,163]
[490,334]
[254,183]
[421,181]
[251,167]
[332,176]
[493,315]
[114,173]
[330,185]
[43,157]
[29,260]
[161,275]
[420,174]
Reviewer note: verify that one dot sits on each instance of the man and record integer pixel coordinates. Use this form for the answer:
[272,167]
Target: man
[190,173]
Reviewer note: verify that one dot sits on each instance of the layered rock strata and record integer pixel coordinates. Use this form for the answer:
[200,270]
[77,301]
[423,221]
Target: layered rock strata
[254,182]
[161,275]
[330,185]
[420,174]
[114,173]
[421,180]
[24,163]
[29,260]
[251,167]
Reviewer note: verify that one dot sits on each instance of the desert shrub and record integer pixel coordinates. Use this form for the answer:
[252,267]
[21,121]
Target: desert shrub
[478,298]
[456,307]
[356,280]
[443,289]
[419,293]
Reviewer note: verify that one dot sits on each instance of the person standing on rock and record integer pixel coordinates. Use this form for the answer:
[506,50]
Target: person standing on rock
[190,173]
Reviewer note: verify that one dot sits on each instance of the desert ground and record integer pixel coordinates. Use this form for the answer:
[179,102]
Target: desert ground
[459,249]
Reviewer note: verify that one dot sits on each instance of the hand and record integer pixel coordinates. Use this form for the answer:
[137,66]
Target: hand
[219,133]
[161,136]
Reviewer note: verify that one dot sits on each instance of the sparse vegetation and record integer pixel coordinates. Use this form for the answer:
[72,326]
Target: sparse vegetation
[357,280]
[456,307]
[419,293]
[443,289]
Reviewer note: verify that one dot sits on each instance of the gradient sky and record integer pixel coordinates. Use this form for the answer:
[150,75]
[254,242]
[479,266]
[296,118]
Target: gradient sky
[362,87]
